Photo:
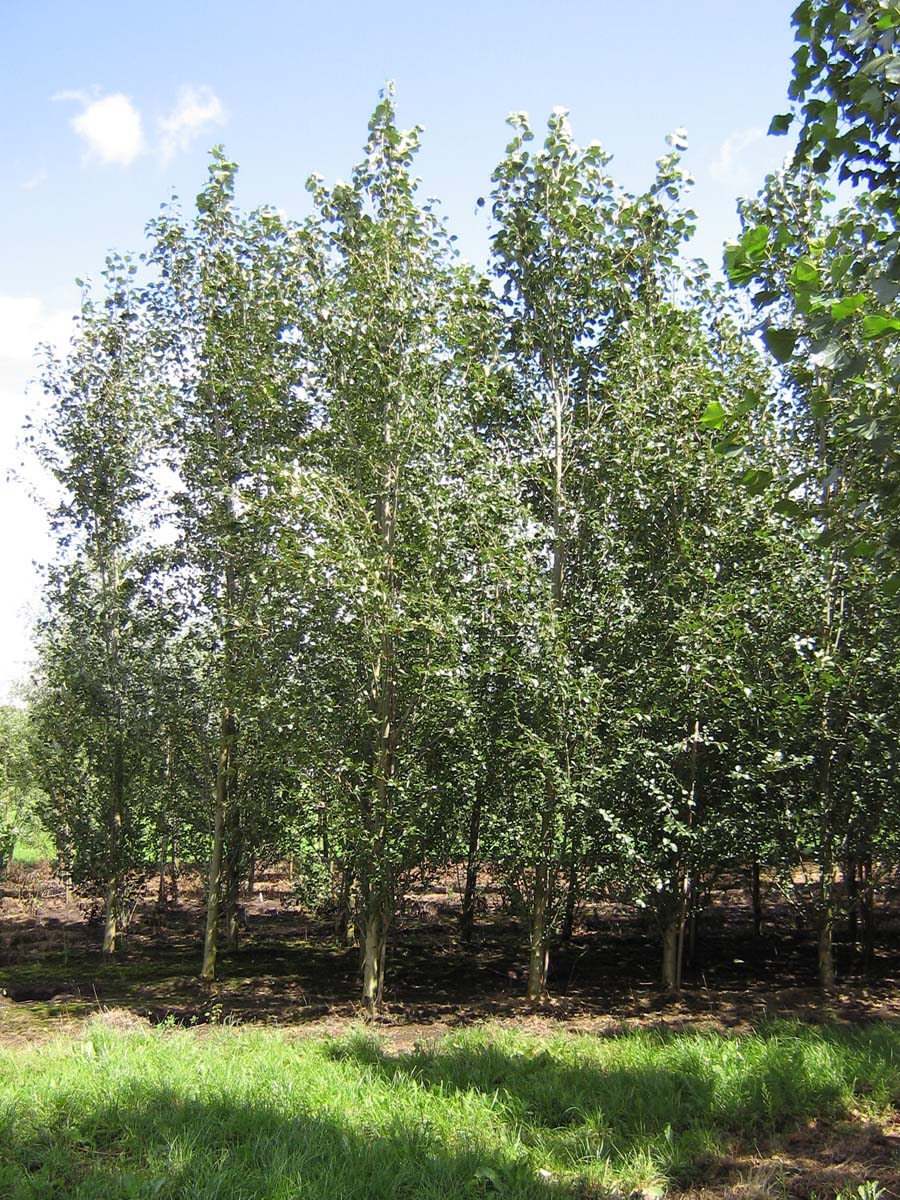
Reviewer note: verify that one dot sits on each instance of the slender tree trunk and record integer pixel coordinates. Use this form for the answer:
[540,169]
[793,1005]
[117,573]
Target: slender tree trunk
[163,863]
[756,898]
[234,845]
[374,955]
[867,908]
[832,619]
[174,863]
[208,969]
[825,926]
[852,887]
[467,912]
[825,949]
[670,952]
[568,922]
[539,950]
[113,887]
[345,927]
[683,909]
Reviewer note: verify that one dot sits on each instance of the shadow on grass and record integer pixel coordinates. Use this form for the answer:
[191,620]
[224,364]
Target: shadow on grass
[675,1099]
[157,1145]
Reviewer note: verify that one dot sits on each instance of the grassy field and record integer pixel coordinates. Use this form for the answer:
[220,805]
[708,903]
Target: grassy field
[35,850]
[246,1114]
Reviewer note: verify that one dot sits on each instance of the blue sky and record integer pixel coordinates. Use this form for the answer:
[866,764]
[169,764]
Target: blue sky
[109,107]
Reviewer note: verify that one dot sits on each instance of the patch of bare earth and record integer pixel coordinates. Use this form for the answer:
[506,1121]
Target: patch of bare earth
[815,1162]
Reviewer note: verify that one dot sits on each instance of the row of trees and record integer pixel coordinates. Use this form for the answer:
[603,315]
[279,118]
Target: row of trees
[377,559]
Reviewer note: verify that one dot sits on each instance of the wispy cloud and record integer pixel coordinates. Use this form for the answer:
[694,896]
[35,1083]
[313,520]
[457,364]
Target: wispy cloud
[110,127]
[196,111]
[33,182]
[731,164]
[24,322]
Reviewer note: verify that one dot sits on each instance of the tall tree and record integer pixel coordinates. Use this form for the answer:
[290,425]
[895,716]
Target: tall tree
[225,311]
[97,445]
[370,517]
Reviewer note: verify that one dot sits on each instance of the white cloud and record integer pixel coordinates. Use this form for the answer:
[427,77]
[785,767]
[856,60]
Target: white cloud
[731,164]
[197,109]
[34,181]
[110,127]
[25,321]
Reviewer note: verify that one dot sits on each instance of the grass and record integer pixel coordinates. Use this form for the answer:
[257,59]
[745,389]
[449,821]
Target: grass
[250,1114]
[34,850]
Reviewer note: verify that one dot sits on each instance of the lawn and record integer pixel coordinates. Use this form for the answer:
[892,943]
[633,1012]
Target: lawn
[246,1114]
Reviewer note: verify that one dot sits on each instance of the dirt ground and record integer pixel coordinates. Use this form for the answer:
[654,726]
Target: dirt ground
[291,972]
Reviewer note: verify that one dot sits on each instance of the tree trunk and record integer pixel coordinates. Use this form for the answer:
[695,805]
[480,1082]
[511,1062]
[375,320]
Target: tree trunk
[208,969]
[825,949]
[163,863]
[670,970]
[345,926]
[539,955]
[110,924]
[467,912]
[113,887]
[234,845]
[852,888]
[374,956]
[174,863]
[756,898]
[568,922]
[867,908]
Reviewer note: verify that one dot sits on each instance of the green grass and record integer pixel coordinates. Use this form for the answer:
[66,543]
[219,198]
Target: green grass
[33,851]
[242,1115]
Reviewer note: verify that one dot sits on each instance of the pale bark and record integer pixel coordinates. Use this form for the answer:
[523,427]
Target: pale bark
[467,912]
[374,950]
[670,970]
[113,886]
[208,969]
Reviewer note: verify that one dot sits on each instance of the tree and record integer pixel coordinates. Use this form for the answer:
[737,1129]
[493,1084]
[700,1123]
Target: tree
[577,261]
[223,313]
[98,447]
[376,633]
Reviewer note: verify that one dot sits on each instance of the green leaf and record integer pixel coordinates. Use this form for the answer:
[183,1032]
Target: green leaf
[826,355]
[729,448]
[891,586]
[788,507]
[805,274]
[713,415]
[862,549]
[780,124]
[780,343]
[763,297]
[757,480]
[755,240]
[875,326]
[842,309]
